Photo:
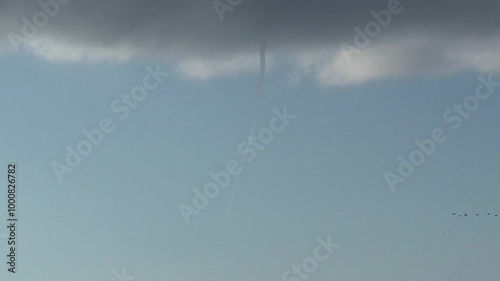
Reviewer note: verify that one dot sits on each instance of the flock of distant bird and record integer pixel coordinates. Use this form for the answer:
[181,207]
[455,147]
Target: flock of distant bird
[477,215]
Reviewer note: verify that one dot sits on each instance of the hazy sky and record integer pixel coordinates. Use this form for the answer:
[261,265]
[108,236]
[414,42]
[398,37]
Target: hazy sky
[322,175]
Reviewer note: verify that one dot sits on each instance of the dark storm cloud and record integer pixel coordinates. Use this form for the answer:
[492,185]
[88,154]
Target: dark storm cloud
[438,36]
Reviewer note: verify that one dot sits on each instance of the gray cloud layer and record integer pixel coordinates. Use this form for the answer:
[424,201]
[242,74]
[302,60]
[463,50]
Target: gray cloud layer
[437,37]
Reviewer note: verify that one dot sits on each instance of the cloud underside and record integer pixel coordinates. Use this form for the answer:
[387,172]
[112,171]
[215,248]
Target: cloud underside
[308,39]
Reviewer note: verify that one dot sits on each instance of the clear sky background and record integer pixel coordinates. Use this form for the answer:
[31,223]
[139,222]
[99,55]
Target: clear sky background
[323,175]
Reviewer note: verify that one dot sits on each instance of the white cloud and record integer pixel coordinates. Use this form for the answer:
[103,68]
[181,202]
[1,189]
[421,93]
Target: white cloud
[204,69]
[60,52]
[399,57]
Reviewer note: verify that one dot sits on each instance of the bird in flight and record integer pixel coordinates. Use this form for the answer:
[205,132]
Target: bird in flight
[477,214]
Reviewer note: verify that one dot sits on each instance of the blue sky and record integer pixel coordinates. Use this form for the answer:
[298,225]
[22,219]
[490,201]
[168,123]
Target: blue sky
[323,175]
